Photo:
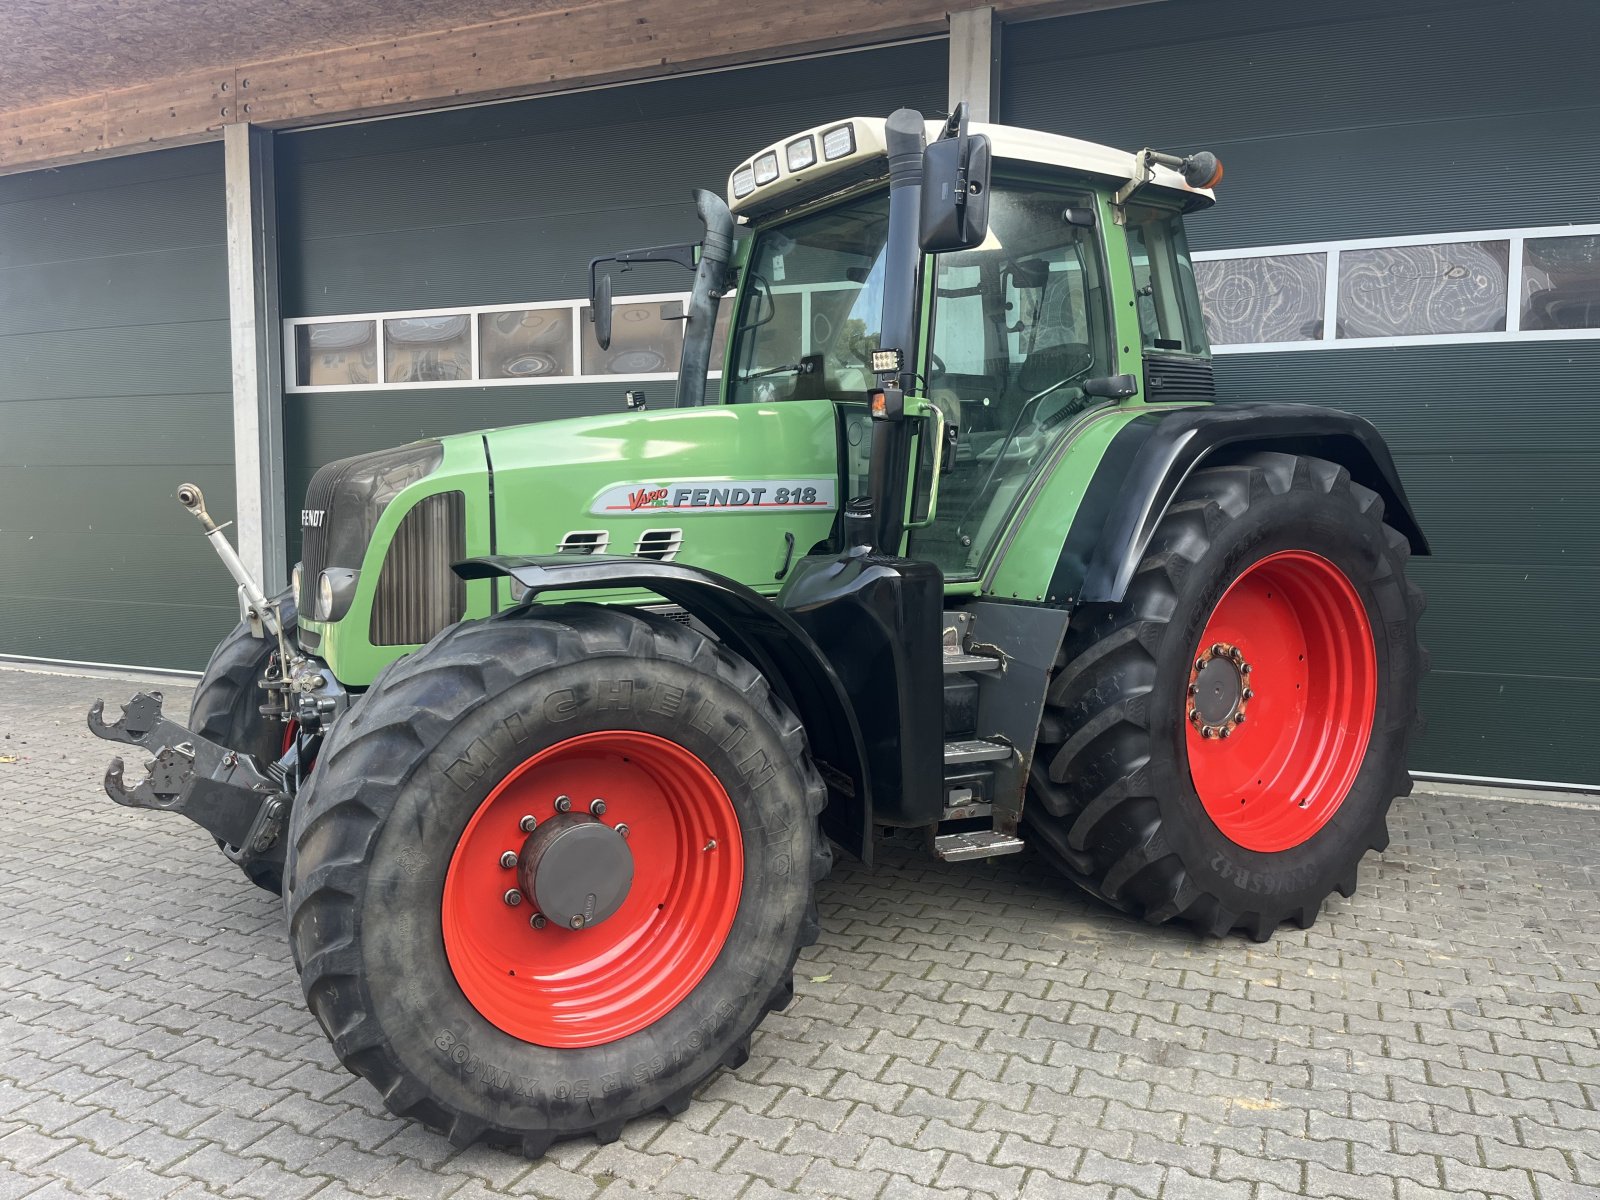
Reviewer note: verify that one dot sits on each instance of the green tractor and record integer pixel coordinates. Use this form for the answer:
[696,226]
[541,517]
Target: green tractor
[548,744]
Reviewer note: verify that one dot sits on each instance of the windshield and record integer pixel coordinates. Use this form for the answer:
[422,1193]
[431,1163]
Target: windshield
[811,306]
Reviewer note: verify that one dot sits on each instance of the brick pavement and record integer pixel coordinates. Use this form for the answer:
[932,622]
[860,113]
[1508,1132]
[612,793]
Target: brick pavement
[977,1031]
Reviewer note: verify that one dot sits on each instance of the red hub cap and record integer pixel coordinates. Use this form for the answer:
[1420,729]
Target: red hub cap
[635,846]
[1281,695]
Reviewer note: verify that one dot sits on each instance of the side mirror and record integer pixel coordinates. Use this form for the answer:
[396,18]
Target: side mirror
[955,189]
[600,312]
[1111,387]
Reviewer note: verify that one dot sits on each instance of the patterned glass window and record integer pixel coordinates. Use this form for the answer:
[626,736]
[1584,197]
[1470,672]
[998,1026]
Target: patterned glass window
[1446,287]
[1561,283]
[525,343]
[336,354]
[427,349]
[1268,298]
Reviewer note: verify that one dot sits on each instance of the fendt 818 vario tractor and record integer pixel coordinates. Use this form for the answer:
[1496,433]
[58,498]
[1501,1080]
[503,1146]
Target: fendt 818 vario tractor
[548,744]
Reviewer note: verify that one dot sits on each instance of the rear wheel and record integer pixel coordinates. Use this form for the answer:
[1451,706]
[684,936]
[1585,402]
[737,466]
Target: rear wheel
[550,872]
[1223,746]
[227,709]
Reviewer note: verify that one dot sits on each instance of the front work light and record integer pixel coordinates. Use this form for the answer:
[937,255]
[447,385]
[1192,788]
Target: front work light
[744,182]
[886,362]
[766,168]
[838,142]
[801,153]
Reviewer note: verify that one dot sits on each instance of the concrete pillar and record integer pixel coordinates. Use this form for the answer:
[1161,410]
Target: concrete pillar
[975,62]
[256,328]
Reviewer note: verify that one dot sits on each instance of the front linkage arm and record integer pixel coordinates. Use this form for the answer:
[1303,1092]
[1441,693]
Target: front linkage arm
[226,793]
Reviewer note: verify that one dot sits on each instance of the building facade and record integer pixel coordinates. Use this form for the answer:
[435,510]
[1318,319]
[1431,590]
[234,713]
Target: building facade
[1407,229]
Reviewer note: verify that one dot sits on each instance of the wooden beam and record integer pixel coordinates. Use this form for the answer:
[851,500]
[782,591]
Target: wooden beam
[584,43]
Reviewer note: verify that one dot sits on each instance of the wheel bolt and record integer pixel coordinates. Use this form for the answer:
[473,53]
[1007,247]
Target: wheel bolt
[1238,718]
[528,823]
[577,921]
[1218,649]
[508,859]
[1244,668]
[1247,694]
[563,804]
[597,806]
[512,897]
[537,921]
[1224,732]
[1194,714]
[1198,663]
[623,830]
[1208,732]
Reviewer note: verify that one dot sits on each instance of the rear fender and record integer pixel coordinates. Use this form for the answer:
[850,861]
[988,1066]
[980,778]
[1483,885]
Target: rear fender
[1147,462]
[754,628]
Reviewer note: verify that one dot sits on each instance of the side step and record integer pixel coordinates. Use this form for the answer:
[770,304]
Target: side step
[974,750]
[985,843]
[960,661]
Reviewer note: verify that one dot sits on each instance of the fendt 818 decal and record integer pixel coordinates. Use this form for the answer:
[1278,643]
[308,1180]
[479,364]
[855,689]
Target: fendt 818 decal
[717,496]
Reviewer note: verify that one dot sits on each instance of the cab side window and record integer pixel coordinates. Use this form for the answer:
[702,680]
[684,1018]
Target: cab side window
[1163,279]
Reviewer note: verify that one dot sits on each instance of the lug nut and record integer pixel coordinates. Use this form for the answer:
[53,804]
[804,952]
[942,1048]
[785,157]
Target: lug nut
[1198,663]
[1244,668]
[1247,694]
[1218,649]
[1238,718]
[563,804]
[1224,732]
[1208,732]
[1194,689]
[577,921]
[1194,714]
[508,859]
[622,830]
[597,806]
[528,823]
[537,921]
[512,897]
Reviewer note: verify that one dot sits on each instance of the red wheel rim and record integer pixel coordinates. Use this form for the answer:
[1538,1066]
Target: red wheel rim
[565,988]
[1272,767]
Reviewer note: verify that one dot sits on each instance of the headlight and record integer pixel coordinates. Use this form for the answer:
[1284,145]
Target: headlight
[336,587]
[294,582]
[838,142]
[801,153]
[766,167]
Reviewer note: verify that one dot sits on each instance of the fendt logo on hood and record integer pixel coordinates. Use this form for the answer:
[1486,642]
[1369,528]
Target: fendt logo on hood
[717,496]
[312,518]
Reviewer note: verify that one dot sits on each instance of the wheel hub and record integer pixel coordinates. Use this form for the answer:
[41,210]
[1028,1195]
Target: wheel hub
[576,870]
[1219,690]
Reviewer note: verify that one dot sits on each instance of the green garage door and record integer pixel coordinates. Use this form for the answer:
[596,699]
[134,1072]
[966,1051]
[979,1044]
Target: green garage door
[505,205]
[1355,124]
[114,388]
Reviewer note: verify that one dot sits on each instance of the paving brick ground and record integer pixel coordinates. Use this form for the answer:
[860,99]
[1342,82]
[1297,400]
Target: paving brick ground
[973,1031]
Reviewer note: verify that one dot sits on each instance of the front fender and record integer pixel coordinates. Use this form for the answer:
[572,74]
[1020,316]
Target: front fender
[1149,459]
[754,628]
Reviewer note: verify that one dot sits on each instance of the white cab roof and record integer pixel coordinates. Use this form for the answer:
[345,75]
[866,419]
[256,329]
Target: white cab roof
[1007,142]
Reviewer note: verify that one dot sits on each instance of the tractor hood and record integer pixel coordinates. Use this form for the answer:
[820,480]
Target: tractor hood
[731,488]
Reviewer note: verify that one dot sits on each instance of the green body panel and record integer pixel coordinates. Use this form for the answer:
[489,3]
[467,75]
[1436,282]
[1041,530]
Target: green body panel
[550,478]
[1027,552]
[346,644]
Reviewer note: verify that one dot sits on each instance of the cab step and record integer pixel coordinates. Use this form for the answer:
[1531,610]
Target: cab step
[961,661]
[985,843]
[974,750]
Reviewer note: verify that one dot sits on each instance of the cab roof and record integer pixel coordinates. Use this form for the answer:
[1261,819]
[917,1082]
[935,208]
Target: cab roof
[766,181]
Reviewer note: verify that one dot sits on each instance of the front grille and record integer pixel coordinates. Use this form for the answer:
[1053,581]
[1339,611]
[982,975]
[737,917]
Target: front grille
[1178,378]
[418,594]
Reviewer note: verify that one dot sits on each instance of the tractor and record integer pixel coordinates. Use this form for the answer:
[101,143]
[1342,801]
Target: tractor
[552,739]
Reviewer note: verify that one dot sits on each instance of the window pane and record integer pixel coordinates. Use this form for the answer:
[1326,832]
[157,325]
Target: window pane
[336,354]
[1273,298]
[1561,283]
[427,349]
[1452,287]
[1163,278]
[525,343]
[646,339]
[719,332]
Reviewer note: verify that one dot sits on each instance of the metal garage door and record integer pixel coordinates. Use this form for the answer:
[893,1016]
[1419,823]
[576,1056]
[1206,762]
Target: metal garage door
[114,388]
[1351,124]
[505,204]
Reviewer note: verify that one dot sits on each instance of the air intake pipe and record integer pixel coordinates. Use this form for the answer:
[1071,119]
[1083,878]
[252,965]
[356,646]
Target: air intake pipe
[710,281]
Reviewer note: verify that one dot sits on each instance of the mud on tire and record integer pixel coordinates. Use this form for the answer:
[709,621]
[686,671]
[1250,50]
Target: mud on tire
[399,779]
[1111,798]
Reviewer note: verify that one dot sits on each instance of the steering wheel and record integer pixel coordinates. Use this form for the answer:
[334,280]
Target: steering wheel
[935,367]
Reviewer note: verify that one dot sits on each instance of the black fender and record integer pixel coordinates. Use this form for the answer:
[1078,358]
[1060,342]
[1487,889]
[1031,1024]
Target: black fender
[753,627]
[1150,457]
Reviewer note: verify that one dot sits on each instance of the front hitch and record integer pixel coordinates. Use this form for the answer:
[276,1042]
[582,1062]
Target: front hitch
[226,793]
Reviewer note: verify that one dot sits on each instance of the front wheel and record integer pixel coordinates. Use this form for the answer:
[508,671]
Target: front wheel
[551,871]
[1223,746]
